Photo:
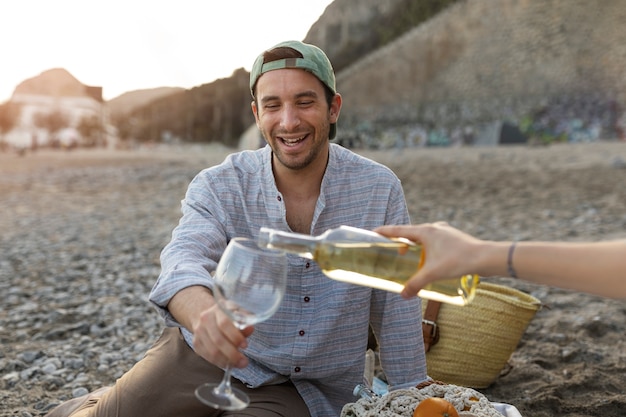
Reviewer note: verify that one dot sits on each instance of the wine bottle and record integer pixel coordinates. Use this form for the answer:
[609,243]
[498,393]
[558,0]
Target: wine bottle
[363,257]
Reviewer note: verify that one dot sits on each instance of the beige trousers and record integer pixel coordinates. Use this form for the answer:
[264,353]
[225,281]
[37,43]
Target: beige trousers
[162,384]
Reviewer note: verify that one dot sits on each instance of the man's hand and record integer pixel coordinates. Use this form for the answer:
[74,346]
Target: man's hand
[215,337]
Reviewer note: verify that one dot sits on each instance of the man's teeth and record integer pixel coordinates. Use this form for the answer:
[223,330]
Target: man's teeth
[292,141]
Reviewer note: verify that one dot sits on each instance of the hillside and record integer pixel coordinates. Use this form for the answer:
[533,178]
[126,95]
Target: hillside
[214,112]
[219,111]
[57,82]
[129,101]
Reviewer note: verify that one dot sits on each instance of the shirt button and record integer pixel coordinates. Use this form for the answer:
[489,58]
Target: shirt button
[279,198]
[301,332]
[307,299]
[307,265]
[297,369]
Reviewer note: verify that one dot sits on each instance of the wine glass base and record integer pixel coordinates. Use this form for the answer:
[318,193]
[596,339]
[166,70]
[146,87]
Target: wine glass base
[209,395]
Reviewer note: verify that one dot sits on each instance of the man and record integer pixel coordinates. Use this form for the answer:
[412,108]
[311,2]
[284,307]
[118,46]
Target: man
[307,358]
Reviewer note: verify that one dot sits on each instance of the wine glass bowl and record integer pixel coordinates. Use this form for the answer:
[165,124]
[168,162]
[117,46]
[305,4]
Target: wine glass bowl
[249,300]
[249,286]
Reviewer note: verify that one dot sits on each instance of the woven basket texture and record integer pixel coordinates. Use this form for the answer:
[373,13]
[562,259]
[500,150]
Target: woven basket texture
[477,340]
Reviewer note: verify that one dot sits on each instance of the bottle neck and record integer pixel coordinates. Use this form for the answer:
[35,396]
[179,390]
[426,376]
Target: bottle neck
[297,243]
[364,391]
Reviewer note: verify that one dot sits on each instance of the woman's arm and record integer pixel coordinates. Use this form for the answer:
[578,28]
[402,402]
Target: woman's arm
[593,267]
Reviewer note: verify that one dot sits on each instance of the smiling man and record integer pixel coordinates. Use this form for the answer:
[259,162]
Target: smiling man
[306,359]
[297,123]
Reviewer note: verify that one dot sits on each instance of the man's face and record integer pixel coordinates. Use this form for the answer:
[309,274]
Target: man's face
[294,117]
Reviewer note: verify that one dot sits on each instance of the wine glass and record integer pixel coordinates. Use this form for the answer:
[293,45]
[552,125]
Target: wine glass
[249,286]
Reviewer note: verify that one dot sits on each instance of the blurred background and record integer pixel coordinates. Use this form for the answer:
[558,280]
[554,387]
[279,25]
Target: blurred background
[412,73]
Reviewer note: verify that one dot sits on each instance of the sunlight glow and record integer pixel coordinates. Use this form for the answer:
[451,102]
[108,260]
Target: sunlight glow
[130,45]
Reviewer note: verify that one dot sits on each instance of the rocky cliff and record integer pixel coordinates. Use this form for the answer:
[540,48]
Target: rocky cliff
[482,61]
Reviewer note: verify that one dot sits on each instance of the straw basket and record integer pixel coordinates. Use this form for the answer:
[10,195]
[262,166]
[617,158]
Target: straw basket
[477,340]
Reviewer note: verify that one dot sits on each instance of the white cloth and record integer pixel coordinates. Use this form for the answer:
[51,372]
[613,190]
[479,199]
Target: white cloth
[507,410]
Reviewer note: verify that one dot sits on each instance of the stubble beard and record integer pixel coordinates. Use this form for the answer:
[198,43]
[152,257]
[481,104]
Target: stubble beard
[291,163]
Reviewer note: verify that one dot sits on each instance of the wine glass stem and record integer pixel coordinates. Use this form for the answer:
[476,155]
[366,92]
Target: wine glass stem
[224,388]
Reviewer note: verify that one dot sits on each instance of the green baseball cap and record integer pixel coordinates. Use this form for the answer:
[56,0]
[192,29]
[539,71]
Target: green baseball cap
[313,60]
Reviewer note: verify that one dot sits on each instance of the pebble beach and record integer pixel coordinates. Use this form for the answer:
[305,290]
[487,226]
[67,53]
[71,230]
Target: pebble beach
[81,232]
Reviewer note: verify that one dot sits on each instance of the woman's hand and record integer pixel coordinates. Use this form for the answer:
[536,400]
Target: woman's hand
[449,252]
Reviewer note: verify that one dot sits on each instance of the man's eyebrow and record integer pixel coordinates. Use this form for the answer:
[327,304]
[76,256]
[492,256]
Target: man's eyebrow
[307,93]
[268,98]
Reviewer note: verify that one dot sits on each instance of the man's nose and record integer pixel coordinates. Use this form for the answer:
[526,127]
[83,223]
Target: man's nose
[289,118]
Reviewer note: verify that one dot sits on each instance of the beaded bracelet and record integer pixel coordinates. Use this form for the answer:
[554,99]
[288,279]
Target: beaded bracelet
[509,261]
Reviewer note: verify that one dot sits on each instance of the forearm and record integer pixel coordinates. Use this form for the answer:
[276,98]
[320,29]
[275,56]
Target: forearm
[187,305]
[596,268]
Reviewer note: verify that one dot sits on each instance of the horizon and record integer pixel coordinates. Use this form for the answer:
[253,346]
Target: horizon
[144,45]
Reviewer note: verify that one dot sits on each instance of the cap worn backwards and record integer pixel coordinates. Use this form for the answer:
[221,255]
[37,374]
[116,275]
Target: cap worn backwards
[313,60]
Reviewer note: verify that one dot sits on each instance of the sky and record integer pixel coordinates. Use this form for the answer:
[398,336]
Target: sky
[126,45]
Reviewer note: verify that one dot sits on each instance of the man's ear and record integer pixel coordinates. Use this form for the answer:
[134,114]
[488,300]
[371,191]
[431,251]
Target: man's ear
[255,112]
[335,108]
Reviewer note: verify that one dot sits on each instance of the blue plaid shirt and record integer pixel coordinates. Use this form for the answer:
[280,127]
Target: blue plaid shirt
[319,335]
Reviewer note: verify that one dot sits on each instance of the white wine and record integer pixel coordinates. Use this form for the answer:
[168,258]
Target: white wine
[386,266]
[361,257]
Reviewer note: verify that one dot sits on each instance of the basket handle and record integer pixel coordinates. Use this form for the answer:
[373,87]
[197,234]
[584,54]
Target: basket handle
[430,329]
